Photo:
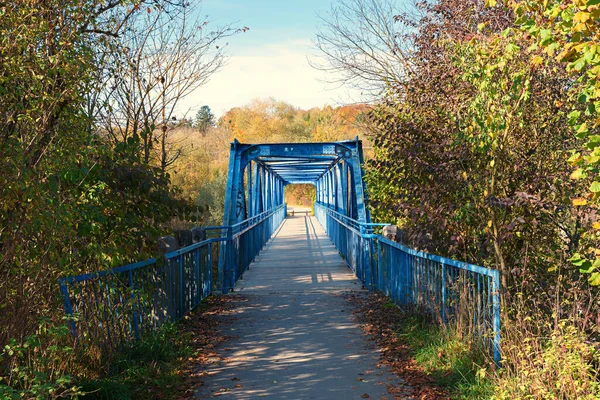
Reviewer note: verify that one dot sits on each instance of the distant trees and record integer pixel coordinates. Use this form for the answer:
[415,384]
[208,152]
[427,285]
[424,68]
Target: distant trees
[202,171]
[276,121]
[204,119]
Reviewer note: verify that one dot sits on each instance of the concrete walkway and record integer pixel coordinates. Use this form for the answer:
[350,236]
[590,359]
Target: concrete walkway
[294,336]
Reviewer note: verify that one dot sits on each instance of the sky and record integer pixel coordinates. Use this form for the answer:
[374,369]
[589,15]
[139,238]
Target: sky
[271,59]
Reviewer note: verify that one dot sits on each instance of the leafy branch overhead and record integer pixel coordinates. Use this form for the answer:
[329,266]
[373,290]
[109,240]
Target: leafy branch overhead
[567,33]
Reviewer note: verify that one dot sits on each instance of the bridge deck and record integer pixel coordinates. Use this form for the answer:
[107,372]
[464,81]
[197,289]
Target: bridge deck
[295,337]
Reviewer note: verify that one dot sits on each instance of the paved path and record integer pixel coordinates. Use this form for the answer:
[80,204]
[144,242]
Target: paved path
[294,334]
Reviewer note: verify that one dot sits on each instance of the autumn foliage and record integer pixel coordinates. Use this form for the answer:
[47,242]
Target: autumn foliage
[472,158]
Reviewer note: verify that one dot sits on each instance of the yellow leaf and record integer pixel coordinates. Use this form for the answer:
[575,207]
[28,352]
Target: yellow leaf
[581,17]
[596,225]
[579,202]
[577,174]
[581,27]
[537,60]
[575,159]
[489,224]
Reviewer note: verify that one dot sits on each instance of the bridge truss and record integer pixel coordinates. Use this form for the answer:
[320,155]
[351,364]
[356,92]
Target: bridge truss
[111,306]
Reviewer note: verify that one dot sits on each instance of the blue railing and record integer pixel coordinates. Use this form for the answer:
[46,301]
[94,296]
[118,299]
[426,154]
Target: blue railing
[244,242]
[454,292]
[117,305]
[113,306]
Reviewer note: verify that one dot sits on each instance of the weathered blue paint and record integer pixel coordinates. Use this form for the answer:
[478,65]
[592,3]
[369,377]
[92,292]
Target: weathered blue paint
[278,165]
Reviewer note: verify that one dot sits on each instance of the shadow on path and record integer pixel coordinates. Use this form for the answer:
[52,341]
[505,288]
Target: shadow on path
[294,336]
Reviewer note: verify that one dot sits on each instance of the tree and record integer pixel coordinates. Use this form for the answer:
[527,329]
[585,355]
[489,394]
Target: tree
[56,170]
[164,55]
[363,46]
[204,119]
[568,32]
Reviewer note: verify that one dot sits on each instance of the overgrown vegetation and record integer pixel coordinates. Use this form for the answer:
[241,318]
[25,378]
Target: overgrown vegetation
[437,362]
[46,365]
[77,195]
[474,146]
[148,368]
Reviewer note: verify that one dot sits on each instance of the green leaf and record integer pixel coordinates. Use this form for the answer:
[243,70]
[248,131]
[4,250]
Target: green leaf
[595,187]
[586,267]
[592,3]
[573,117]
[579,64]
[579,173]
[576,259]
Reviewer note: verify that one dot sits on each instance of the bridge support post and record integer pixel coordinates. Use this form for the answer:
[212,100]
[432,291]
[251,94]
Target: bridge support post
[235,211]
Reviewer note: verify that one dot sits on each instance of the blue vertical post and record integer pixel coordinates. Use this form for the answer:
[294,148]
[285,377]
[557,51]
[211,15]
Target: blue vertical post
[281,192]
[257,199]
[325,190]
[271,191]
[334,184]
[329,189]
[232,212]
[197,279]
[250,205]
[180,310]
[496,310]
[443,307]
[210,261]
[263,189]
[318,190]
[64,290]
[344,188]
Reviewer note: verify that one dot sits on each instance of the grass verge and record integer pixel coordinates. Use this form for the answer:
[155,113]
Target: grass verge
[449,359]
[436,362]
[147,368]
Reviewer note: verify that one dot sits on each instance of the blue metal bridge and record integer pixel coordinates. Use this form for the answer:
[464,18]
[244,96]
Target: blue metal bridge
[113,306]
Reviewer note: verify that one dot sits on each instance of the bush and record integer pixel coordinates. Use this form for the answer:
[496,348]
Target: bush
[37,367]
[562,366]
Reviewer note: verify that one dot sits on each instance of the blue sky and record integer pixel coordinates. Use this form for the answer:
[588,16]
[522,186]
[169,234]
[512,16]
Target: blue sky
[269,20]
[271,59]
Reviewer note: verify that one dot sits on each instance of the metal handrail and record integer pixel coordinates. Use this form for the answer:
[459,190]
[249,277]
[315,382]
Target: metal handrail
[416,278]
[122,302]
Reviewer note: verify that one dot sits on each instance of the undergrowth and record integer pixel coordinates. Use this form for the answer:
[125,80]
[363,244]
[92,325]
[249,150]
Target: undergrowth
[558,362]
[145,369]
[447,357]
[48,365]
[550,361]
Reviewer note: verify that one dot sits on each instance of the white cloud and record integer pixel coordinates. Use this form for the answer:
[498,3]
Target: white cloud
[280,70]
